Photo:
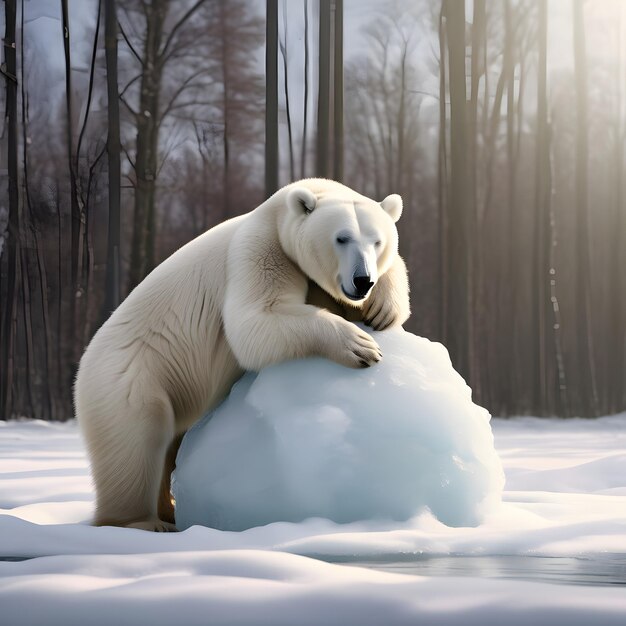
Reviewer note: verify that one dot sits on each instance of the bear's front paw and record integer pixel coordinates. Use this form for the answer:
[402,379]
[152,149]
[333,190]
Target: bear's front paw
[388,304]
[357,348]
[381,313]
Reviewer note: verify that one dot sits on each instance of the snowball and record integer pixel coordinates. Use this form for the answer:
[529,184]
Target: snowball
[311,438]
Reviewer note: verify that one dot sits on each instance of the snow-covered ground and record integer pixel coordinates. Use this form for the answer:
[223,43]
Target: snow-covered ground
[565,498]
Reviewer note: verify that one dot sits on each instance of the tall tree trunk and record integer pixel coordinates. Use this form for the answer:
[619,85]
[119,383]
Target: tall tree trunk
[540,292]
[401,124]
[585,364]
[459,280]
[12,244]
[226,103]
[147,118]
[305,104]
[271,98]
[322,166]
[283,53]
[616,337]
[112,294]
[46,405]
[77,214]
[338,92]
[28,405]
[76,224]
[442,179]
[87,257]
[476,312]
[508,285]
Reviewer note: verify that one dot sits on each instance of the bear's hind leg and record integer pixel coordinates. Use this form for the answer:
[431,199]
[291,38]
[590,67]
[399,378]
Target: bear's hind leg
[166,504]
[127,460]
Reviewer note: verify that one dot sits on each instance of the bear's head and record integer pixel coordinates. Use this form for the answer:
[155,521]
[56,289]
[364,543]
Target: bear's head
[340,239]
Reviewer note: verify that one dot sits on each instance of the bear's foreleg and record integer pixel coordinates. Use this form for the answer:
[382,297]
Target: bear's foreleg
[295,331]
[266,318]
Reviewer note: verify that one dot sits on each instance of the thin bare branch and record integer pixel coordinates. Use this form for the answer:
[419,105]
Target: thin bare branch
[130,83]
[186,84]
[92,69]
[177,26]
[125,151]
[130,45]
[125,103]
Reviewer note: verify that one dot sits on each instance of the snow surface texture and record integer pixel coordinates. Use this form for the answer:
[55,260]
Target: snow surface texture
[565,496]
[311,438]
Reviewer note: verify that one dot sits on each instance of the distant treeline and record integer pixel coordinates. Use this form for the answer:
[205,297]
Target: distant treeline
[510,166]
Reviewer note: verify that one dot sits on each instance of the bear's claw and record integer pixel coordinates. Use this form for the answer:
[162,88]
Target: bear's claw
[359,349]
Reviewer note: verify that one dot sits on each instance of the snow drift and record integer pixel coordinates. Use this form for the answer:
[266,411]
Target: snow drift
[311,438]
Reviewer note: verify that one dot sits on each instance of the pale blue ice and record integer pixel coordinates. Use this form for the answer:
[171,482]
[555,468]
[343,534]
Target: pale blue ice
[311,438]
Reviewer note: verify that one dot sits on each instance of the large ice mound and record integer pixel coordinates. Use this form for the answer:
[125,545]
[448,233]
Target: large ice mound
[311,438]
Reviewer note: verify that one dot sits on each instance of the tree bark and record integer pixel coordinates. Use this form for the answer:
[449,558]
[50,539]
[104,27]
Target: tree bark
[271,98]
[12,243]
[476,312]
[147,117]
[225,42]
[305,105]
[616,337]
[459,223]
[112,290]
[585,353]
[283,53]
[507,285]
[76,225]
[540,295]
[338,92]
[322,166]
[443,182]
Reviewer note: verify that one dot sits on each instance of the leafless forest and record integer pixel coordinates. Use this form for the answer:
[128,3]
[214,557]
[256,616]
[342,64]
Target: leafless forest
[501,123]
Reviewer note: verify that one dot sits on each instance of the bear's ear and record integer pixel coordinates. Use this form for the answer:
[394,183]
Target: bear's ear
[393,205]
[301,200]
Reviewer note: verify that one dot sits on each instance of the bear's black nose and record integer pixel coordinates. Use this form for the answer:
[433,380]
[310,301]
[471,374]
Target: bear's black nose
[362,284]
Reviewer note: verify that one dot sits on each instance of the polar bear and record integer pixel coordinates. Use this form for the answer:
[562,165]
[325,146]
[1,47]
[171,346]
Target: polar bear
[278,283]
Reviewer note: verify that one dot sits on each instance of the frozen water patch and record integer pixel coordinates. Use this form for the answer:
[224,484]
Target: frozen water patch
[311,438]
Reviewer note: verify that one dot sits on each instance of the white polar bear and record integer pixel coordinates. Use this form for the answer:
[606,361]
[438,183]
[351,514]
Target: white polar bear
[275,284]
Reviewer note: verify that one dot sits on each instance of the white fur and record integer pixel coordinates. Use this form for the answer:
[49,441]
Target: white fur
[234,298]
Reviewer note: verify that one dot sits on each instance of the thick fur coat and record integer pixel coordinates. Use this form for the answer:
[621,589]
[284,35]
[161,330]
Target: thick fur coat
[278,283]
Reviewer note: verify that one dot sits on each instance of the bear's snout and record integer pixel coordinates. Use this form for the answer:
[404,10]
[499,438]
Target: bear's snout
[362,284]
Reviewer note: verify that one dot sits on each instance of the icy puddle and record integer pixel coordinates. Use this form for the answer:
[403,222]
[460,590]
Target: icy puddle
[605,571]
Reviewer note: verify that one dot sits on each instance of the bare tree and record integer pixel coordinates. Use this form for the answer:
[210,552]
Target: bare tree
[271,98]
[283,54]
[586,363]
[383,108]
[112,297]
[616,337]
[540,292]
[459,281]
[159,47]
[305,103]
[338,91]
[442,179]
[322,167]
[12,243]
[478,344]
[78,219]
